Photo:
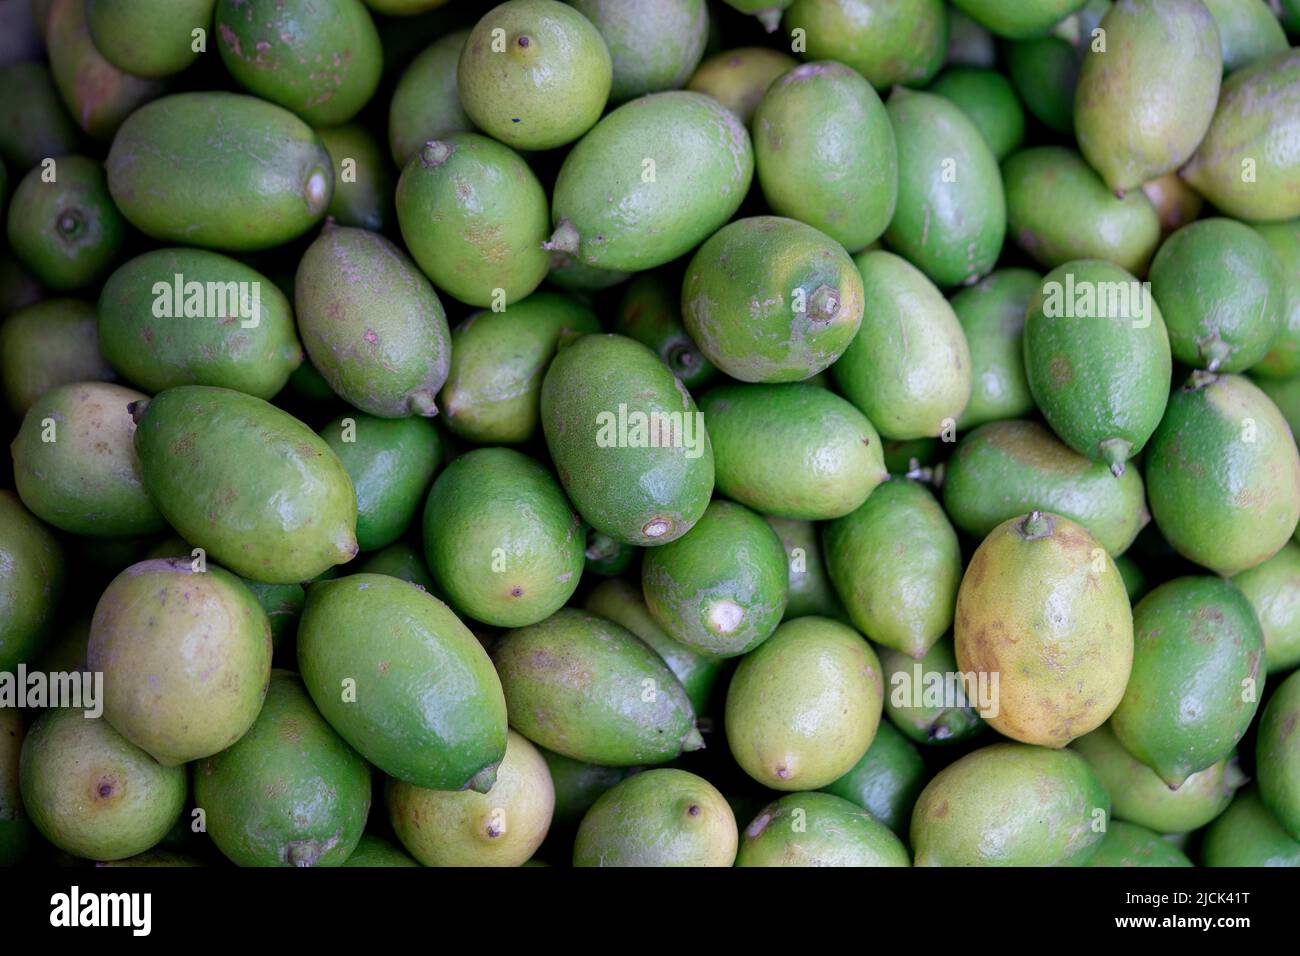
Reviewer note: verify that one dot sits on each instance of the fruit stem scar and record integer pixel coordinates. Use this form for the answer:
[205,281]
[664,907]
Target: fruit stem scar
[1036,525]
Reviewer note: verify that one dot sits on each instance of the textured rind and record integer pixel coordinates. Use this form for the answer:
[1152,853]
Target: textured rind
[428,708]
[253,354]
[290,792]
[1223,502]
[1009,468]
[625,492]
[730,560]
[1198,649]
[1010,805]
[185,655]
[1138,794]
[586,688]
[647,820]
[372,324]
[1097,377]
[803,708]
[899,594]
[255,487]
[219,170]
[819,829]
[1144,103]
[1043,606]
[320,58]
[703,162]
[1258,119]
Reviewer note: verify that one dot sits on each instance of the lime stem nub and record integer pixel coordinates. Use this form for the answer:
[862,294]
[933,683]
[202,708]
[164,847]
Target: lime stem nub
[1115,452]
[564,239]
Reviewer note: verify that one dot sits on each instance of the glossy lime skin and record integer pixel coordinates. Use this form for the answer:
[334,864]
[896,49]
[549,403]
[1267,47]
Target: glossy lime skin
[650,312]
[654,45]
[1277,761]
[1197,658]
[1009,468]
[34,123]
[577,786]
[1098,364]
[811,591]
[1247,32]
[586,688]
[1010,805]
[886,781]
[819,829]
[1137,793]
[148,37]
[67,232]
[770,299]
[99,96]
[372,852]
[1043,606]
[1143,105]
[951,216]
[1247,834]
[493,390]
[534,74]
[1127,844]
[637,495]
[899,596]
[319,58]
[1018,21]
[1059,210]
[501,538]
[721,588]
[290,792]
[91,792]
[905,390]
[658,818]
[1283,358]
[888,43]
[371,323]
[803,708]
[249,483]
[931,722]
[1224,293]
[32,585]
[46,344]
[830,456]
[624,604]
[219,170]
[739,78]
[425,103]
[208,335]
[428,707]
[848,186]
[1273,589]
[363,179]
[992,316]
[990,102]
[474,217]
[1257,108]
[391,462]
[651,181]
[1223,476]
[87,479]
